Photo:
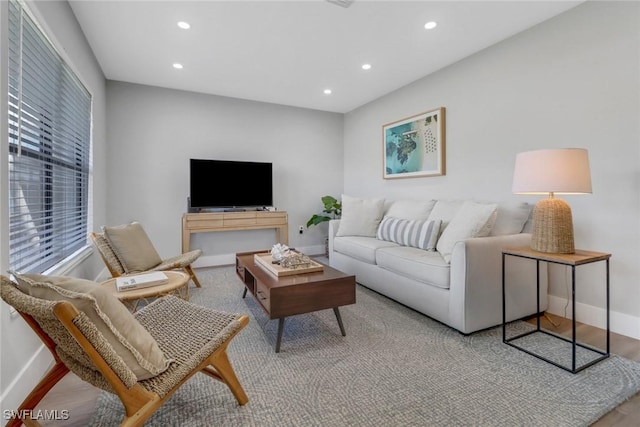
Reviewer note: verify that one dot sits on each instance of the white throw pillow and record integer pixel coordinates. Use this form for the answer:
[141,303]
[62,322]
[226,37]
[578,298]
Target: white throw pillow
[445,210]
[472,220]
[410,209]
[360,217]
[406,232]
[511,218]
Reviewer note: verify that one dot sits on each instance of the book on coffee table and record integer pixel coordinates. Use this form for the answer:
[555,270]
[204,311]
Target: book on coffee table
[138,281]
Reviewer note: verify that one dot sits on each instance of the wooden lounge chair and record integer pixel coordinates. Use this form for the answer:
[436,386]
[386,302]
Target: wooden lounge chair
[193,338]
[113,259]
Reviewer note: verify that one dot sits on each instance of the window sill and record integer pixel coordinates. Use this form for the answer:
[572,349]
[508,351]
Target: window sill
[70,262]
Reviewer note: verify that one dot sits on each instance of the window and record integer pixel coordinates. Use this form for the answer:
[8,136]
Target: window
[49,150]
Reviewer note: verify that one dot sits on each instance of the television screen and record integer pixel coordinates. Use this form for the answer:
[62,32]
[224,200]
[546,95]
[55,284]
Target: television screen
[230,184]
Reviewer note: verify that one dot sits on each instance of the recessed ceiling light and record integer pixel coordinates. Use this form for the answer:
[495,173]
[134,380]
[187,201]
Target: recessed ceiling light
[184,25]
[430,25]
[327,91]
[177,66]
[366,66]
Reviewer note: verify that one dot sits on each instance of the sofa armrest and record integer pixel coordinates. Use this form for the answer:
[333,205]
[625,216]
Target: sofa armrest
[333,229]
[476,282]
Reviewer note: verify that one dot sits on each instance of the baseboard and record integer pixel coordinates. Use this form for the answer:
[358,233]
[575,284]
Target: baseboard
[620,323]
[28,377]
[230,259]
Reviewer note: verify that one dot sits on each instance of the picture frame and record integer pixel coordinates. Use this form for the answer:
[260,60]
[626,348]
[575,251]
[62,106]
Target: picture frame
[414,146]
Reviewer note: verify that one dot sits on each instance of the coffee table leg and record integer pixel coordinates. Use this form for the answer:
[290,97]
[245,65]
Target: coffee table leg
[244,294]
[280,328]
[337,312]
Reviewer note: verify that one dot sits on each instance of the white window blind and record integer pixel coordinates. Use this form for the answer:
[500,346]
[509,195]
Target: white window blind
[49,150]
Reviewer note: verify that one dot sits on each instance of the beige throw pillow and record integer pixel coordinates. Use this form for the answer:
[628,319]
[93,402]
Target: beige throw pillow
[445,210]
[132,247]
[360,217]
[410,209]
[130,340]
[472,220]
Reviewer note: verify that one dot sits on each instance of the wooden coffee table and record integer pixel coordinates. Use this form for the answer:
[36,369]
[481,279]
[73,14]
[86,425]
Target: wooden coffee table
[178,285]
[283,296]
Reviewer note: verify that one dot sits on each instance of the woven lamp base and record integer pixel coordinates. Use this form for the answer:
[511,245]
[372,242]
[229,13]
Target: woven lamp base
[552,227]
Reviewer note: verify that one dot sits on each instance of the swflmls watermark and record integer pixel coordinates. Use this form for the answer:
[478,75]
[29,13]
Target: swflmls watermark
[37,414]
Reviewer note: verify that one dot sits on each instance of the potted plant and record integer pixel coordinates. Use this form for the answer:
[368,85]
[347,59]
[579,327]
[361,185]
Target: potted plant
[331,207]
[332,210]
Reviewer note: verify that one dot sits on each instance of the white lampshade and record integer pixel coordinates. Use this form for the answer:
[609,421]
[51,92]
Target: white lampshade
[560,171]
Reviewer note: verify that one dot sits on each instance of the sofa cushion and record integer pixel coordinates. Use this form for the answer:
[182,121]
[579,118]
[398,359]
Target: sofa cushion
[410,209]
[360,248]
[445,210]
[360,217]
[129,339]
[472,220]
[419,234]
[511,218]
[132,246]
[416,264]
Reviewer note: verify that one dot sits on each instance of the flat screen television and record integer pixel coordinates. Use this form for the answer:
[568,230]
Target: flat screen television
[229,184]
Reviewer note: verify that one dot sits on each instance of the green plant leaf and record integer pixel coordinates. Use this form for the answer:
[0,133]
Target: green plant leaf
[331,207]
[317,219]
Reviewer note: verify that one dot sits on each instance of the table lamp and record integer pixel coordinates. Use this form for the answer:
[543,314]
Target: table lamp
[554,171]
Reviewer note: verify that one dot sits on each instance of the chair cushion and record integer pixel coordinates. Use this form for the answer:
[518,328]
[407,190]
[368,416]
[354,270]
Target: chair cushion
[132,247]
[129,339]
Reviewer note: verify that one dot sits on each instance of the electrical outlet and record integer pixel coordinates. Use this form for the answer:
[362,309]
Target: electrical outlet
[301,229]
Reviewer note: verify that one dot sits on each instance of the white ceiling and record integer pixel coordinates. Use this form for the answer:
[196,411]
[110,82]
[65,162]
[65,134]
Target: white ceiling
[288,52]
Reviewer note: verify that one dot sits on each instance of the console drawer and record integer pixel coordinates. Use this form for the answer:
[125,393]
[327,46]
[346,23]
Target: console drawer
[262,295]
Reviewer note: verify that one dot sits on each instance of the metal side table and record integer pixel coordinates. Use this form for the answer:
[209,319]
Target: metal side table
[580,257]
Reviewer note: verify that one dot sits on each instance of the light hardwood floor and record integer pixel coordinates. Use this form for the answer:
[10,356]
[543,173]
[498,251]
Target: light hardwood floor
[80,398]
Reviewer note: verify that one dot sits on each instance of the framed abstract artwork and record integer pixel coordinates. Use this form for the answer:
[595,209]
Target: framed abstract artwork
[414,146]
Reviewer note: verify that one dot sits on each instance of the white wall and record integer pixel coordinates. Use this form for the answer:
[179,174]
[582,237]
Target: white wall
[153,133]
[573,81]
[24,360]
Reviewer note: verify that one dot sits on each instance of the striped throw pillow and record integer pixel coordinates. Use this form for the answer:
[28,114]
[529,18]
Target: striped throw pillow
[416,233]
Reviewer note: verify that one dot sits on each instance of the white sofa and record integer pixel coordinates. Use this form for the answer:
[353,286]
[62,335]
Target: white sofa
[459,281]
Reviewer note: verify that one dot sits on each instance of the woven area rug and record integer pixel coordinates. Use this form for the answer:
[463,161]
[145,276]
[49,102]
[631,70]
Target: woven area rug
[395,367]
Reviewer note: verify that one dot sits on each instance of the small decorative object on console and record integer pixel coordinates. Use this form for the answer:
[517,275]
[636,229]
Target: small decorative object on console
[279,251]
[295,260]
[291,264]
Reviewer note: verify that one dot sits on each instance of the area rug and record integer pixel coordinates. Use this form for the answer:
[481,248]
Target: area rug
[395,367]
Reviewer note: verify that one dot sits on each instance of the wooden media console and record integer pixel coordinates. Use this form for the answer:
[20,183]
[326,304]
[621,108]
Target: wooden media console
[233,221]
